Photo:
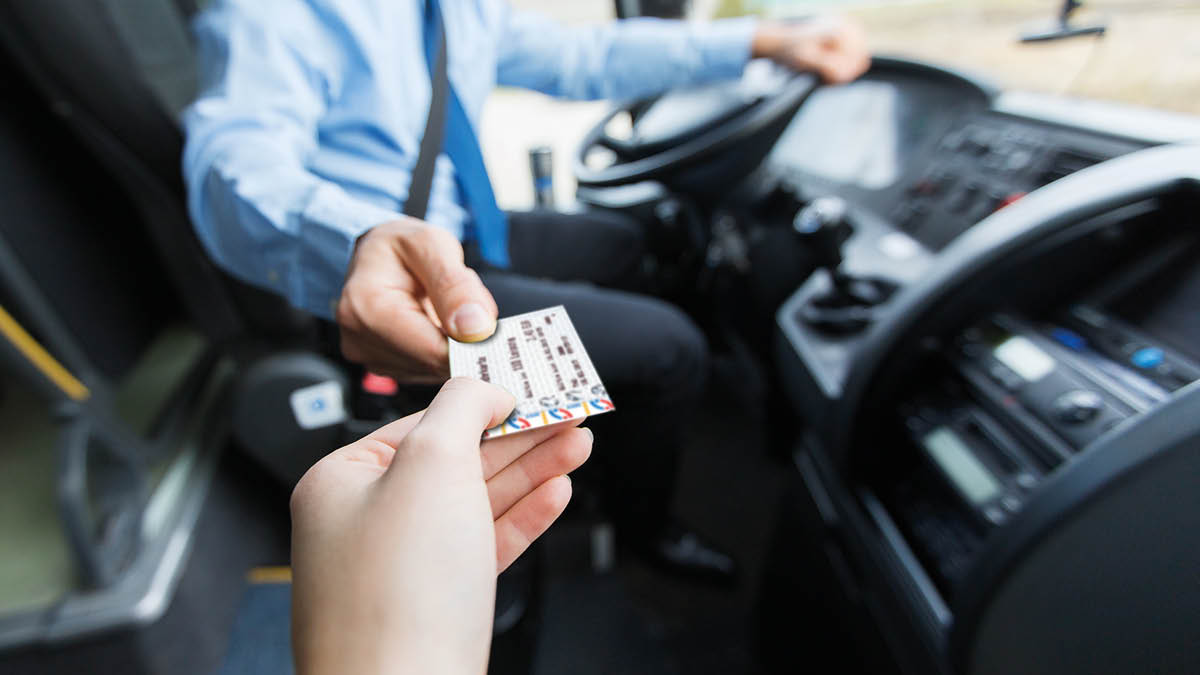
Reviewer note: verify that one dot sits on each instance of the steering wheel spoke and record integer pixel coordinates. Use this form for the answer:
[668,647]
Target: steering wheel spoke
[681,131]
[616,145]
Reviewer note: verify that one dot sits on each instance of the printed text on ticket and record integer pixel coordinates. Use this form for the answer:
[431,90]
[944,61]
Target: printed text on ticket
[539,359]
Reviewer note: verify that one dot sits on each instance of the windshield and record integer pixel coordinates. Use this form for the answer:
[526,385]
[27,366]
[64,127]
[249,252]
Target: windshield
[1149,54]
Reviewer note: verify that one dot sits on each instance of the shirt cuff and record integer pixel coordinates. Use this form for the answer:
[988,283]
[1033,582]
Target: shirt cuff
[329,229]
[725,45]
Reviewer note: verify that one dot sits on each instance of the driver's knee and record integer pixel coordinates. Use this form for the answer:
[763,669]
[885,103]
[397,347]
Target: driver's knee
[670,359]
[618,244]
[600,247]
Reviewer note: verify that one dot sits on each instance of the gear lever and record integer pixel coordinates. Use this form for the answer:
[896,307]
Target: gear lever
[823,226]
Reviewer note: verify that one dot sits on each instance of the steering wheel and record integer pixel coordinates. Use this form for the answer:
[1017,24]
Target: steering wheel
[694,139]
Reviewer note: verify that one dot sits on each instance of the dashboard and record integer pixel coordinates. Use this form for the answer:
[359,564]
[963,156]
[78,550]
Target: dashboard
[926,150]
[868,133]
[1039,352]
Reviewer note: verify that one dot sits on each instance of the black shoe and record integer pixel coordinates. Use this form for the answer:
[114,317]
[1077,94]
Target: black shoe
[680,551]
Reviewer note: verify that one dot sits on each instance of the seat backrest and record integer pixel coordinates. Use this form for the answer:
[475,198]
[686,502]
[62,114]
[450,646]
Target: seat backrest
[118,72]
[155,34]
[68,249]
[78,52]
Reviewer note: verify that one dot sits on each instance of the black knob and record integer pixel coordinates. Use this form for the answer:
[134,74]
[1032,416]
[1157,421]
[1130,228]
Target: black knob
[1078,406]
[823,227]
[847,306]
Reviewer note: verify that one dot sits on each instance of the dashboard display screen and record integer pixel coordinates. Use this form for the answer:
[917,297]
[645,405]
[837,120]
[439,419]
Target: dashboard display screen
[859,134]
[962,467]
[1024,358]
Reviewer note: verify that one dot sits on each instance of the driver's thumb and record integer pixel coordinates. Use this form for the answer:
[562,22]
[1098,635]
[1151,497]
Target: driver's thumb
[463,304]
[467,310]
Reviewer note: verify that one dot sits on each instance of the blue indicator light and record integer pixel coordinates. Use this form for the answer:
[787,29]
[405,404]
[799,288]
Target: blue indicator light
[1069,339]
[1147,357]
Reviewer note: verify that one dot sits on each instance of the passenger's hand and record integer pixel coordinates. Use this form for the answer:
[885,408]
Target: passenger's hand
[406,290]
[397,539]
[834,48]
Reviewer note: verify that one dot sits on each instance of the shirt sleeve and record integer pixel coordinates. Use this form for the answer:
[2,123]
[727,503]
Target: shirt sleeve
[625,59]
[258,212]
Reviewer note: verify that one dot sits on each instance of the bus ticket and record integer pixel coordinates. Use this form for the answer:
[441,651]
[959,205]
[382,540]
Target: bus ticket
[540,360]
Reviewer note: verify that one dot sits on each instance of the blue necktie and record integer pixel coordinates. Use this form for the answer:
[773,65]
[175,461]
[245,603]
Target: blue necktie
[461,145]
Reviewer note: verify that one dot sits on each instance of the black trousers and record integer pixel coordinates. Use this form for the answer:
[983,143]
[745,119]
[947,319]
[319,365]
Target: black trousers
[651,357]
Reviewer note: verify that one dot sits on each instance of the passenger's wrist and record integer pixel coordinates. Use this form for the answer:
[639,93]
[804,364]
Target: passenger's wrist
[397,657]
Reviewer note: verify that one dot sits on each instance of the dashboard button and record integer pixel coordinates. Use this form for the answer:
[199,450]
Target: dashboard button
[1078,406]
[1147,358]
[994,515]
[1069,339]
[1007,378]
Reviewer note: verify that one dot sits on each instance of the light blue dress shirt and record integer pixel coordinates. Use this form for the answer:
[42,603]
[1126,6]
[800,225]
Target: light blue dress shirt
[311,112]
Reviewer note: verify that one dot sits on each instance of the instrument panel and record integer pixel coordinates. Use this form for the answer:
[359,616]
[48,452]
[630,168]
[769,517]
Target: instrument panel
[868,133]
[926,151]
[1017,399]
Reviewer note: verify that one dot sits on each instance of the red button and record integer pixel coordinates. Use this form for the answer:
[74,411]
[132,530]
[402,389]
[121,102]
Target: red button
[379,384]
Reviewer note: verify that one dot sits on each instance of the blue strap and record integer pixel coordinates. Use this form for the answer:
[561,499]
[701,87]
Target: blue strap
[490,226]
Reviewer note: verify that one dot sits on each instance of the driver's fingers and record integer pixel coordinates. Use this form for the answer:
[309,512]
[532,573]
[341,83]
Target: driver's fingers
[832,47]
[387,362]
[383,323]
[397,338]
[529,518]
[847,55]
[382,358]
[842,70]
[465,307]
[834,67]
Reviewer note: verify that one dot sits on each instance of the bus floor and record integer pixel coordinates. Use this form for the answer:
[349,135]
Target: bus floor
[632,619]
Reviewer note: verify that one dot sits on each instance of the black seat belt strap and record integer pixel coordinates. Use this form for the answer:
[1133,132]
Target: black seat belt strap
[431,141]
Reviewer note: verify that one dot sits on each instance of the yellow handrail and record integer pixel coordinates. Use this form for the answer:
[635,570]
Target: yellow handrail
[41,359]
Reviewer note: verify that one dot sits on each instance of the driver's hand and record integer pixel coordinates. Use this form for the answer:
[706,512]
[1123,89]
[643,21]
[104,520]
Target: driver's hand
[406,290]
[835,48]
[397,538]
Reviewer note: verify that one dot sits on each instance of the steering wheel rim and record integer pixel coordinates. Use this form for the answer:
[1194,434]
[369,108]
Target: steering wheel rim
[727,132]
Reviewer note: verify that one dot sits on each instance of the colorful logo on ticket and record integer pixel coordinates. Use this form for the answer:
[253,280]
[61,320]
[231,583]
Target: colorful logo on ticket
[551,415]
